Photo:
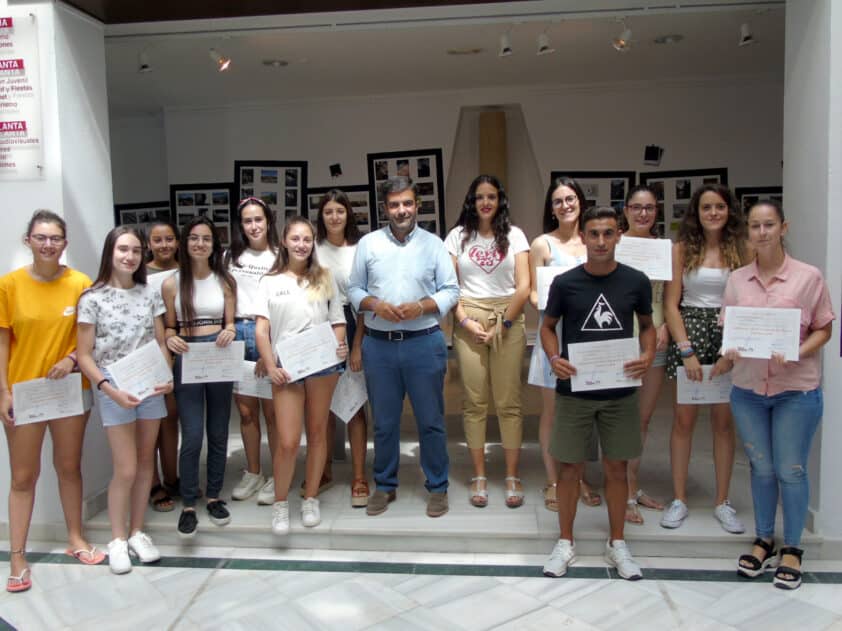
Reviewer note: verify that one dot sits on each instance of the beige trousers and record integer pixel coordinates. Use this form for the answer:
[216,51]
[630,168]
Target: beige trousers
[491,370]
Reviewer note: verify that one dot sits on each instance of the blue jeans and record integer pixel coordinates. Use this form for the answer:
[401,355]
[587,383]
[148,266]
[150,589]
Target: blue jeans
[776,432]
[416,367]
[245,333]
[193,400]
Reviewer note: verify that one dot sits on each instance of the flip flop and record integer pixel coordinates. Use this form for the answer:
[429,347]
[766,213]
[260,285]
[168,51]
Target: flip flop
[633,515]
[92,556]
[20,583]
[162,504]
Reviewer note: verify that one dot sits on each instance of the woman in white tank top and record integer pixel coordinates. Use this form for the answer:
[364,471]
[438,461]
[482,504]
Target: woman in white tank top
[200,301]
[711,243]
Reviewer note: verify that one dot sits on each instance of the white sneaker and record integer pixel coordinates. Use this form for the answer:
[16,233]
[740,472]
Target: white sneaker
[727,516]
[266,496]
[118,556]
[142,546]
[280,518]
[250,484]
[617,555]
[674,514]
[310,514]
[562,556]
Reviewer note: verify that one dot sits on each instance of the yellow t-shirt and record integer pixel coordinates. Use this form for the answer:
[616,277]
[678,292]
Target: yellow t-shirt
[42,320]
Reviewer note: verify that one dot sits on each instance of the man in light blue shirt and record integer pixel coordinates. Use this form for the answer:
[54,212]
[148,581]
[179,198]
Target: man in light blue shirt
[403,281]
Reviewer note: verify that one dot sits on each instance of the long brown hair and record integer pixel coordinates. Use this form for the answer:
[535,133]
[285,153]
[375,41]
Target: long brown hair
[352,233]
[239,240]
[106,262]
[691,236]
[185,267]
[317,277]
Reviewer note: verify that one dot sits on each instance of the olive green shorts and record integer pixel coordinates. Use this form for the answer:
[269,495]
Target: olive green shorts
[616,420]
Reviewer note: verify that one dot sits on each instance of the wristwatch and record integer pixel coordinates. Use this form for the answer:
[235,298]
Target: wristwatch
[507,324]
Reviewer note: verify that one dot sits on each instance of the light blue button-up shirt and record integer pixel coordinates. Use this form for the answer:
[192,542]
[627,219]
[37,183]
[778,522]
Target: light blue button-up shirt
[399,272]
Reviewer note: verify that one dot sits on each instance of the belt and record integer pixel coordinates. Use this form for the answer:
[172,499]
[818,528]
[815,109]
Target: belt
[400,336]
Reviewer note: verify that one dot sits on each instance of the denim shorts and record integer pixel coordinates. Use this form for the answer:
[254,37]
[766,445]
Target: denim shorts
[245,333]
[113,414]
[331,370]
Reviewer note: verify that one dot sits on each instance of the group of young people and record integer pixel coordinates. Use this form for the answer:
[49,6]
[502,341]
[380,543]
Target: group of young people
[384,295]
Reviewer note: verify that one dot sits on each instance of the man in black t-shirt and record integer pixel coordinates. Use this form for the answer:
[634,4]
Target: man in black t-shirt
[597,302]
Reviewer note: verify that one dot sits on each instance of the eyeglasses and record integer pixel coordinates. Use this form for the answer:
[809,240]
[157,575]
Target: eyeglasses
[41,239]
[200,238]
[639,208]
[562,201]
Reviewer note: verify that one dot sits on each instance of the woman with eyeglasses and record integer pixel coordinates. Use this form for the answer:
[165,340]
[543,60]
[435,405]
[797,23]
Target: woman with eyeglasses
[200,301]
[162,243]
[711,245]
[38,339]
[560,245]
[254,246]
[336,242]
[640,215]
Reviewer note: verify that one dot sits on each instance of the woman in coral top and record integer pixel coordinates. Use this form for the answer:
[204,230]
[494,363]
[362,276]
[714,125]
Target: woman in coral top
[38,339]
[777,404]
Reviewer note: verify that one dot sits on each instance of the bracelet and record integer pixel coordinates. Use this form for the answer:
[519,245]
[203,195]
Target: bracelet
[554,357]
[99,385]
[421,304]
[684,345]
[687,353]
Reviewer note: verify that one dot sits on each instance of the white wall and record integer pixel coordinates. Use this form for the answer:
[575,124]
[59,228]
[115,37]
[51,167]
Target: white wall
[139,159]
[709,123]
[77,184]
[813,192]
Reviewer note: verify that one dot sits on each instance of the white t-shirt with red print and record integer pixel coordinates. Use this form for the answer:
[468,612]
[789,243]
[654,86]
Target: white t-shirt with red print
[483,272]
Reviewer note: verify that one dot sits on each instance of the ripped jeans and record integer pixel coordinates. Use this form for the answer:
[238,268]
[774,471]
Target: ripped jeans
[776,433]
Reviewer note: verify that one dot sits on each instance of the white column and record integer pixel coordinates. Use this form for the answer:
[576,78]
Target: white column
[812,197]
[76,183]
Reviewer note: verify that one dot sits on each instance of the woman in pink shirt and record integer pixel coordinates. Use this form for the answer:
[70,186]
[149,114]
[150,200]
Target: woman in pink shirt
[777,404]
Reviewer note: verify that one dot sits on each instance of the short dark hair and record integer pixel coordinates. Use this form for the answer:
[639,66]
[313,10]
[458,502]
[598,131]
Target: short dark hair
[598,212]
[46,216]
[398,185]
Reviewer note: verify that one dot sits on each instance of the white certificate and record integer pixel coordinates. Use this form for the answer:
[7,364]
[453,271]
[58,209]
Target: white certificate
[350,395]
[308,352]
[599,365]
[206,362]
[544,275]
[716,390]
[250,385]
[45,399]
[758,332]
[653,257]
[141,370]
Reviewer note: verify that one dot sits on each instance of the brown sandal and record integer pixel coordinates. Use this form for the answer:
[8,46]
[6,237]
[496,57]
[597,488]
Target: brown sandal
[359,493]
[633,515]
[588,496]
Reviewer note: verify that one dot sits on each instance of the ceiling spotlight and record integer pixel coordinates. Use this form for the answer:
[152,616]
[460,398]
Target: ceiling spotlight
[544,47]
[622,43]
[143,64]
[222,63]
[746,38]
[505,45]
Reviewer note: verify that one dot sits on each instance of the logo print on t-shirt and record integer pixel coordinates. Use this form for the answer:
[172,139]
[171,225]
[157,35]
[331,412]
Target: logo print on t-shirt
[602,317]
[487,259]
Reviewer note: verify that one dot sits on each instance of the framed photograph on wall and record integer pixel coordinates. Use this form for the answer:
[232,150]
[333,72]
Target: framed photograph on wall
[425,168]
[358,194]
[602,188]
[141,214]
[673,190]
[748,195]
[215,200]
[282,184]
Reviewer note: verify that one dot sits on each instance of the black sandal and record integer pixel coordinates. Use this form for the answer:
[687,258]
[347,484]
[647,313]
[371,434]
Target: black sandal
[787,577]
[162,504]
[755,567]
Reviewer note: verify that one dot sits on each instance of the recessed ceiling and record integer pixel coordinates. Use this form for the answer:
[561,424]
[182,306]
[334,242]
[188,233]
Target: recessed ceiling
[352,62]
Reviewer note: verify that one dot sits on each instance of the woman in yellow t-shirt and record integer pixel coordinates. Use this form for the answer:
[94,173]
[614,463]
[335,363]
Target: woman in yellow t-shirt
[38,339]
